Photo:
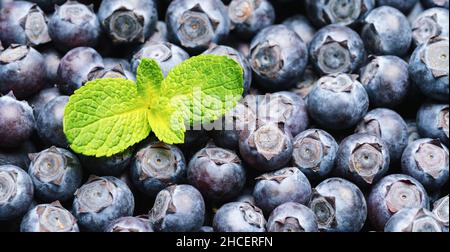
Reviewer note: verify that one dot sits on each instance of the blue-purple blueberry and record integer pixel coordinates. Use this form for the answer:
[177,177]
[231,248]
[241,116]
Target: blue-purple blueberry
[248,17]
[128,224]
[441,209]
[114,165]
[292,217]
[414,220]
[432,121]
[41,99]
[239,217]
[341,12]
[430,23]
[49,123]
[49,218]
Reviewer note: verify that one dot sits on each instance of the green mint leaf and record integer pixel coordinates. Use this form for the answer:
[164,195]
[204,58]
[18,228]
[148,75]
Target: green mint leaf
[167,121]
[105,117]
[149,78]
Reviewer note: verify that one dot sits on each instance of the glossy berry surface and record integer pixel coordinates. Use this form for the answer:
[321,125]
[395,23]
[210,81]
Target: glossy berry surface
[239,217]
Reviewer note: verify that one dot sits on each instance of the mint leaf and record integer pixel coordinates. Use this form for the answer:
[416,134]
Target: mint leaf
[149,78]
[105,117]
[168,122]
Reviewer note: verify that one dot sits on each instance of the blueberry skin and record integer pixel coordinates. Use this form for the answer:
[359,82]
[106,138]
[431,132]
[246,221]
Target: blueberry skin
[343,202]
[206,229]
[427,161]
[314,153]
[303,87]
[21,71]
[414,220]
[115,165]
[279,187]
[17,156]
[125,14]
[73,25]
[16,121]
[49,123]
[157,166]
[336,49]
[432,121]
[389,127]
[435,3]
[178,208]
[18,192]
[430,23]
[381,37]
[49,218]
[292,217]
[429,73]
[160,33]
[337,102]
[239,217]
[249,17]
[41,99]
[404,6]
[386,81]
[47,5]
[278,57]
[52,59]
[338,12]
[396,187]
[440,210]
[75,68]
[100,201]
[413,131]
[112,62]
[211,19]
[302,26]
[129,224]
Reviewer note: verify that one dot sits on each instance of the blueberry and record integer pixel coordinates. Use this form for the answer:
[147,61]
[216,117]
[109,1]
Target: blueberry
[342,12]
[404,6]
[432,121]
[292,217]
[126,224]
[117,68]
[339,206]
[156,166]
[389,127]
[239,217]
[302,26]
[217,173]
[23,23]
[306,83]
[41,99]
[115,165]
[16,192]
[278,57]
[440,210]
[128,22]
[338,101]
[114,72]
[392,194]
[427,161]
[430,23]
[428,68]
[435,3]
[194,24]
[413,131]
[386,31]
[21,71]
[414,220]
[386,81]
[336,49]
[100,201]
[49,218]
[49,123]
[51,59]
[17,156]
[250,16]
[16,121]
[314,153]
[279,187]
[178,208]
[77,67]
[110,63]
[160,33]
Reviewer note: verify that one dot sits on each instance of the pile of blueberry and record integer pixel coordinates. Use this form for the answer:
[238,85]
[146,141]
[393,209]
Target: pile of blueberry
[344,126]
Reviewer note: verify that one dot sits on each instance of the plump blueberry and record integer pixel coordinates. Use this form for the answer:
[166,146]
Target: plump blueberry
[114,72]
[314,153]
[194,24]
[278,57]
[430,23]
[339,206]
[160,33]
[131,21]
[428,68]
[389,127]
[217,173]
[386,81]
[432,121]
[115,165]
[292,217]
[16,192]
[178,208]
[279,187]
[17,156]
[51,59]
[49,123]
[338,101]
[435,3]
[21,71]
[77,67]
[100,201]
[16,121]
[49,218]
[166,54]
[73,25]
[22,22]
[239,217]
[302,26]
[337,49]
[414,220]
[386,31]
[440,210]
[306,83]
[56,174]
[250,16]
[392,194]
[404,6]
[41,99]
[413,131]
[127,224]
[427,160]
[341,12]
